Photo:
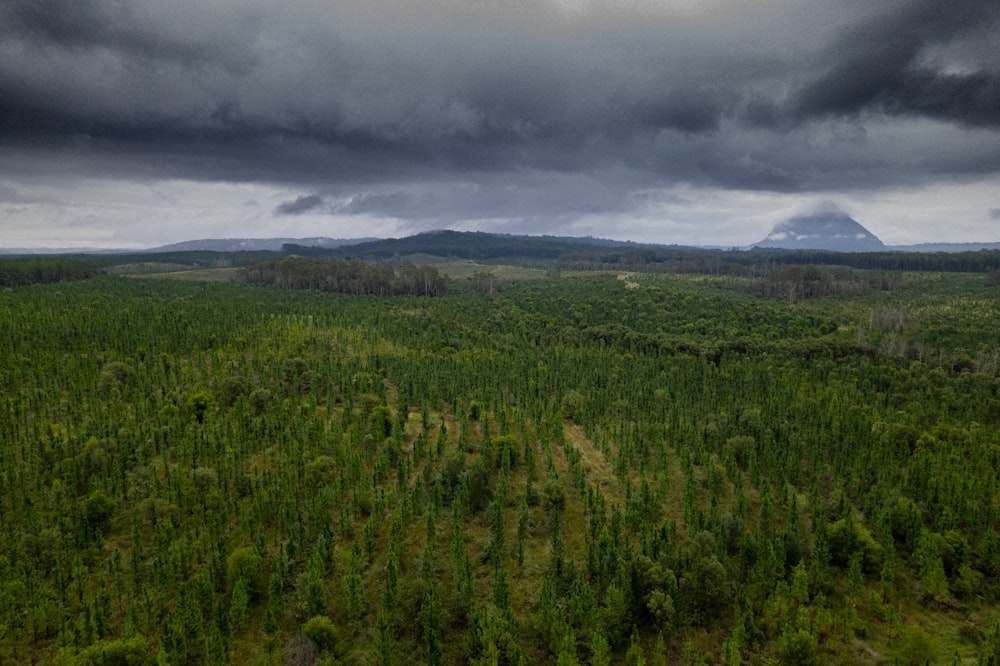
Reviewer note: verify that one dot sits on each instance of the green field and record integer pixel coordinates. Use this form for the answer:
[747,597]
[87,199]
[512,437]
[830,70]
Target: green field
[644,468]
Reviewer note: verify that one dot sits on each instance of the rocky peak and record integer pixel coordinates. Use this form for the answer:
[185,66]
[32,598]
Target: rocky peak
[824,231]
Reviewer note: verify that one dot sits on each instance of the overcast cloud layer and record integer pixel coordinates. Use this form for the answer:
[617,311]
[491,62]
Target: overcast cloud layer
[143,122]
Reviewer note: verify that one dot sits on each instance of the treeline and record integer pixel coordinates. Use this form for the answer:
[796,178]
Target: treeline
[763,262]
[798,282]
[197,258]
[487,283]
[945,262]
[39,270]
[661,260]
[349,277]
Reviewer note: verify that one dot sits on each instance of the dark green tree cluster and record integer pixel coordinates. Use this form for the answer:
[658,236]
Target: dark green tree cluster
[15,272]
[349,277]
[761,262]
[798,282]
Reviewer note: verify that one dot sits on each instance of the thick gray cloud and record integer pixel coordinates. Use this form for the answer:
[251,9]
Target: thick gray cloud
[304,204]
[922,59]
[531,110]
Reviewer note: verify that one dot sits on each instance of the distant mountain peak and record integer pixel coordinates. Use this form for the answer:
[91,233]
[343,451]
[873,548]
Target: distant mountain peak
[833,231]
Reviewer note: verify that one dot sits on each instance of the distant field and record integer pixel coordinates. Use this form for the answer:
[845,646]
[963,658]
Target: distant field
[234,274]
[460,270]
[147,267]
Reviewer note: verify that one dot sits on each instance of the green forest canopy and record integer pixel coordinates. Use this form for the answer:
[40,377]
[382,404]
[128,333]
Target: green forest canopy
[578,470]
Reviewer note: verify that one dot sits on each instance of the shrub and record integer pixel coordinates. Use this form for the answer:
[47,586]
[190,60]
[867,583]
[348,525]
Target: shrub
[295,373]
[199,403]
[506,445]
[554,496]
[259,399]
[905,522]
[476,480]
[798,647]
[231,388]
[124,652]
[204,478]
[572,405]
[97,511]
[322,632]
[475,410]
[846,538]
[321,469]
[114,376]
[381,422]
[246,563]
[914,648]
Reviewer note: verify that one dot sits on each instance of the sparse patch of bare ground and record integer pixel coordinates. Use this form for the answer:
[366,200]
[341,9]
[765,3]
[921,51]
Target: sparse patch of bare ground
[599,470]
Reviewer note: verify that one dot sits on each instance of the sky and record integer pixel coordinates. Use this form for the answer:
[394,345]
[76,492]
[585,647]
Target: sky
[136,123]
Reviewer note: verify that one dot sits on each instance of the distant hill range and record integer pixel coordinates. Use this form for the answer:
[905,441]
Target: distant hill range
[830,232]
[254,244]
[835,232]
[479,245]
[944,247]
[834,240]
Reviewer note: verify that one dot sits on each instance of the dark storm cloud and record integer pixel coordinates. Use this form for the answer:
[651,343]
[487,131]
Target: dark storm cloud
[995,213]
[180,32]
[685,109]
[898,64]
[521,196]
[304,204]
[471,110]
[390,204]
[533,199]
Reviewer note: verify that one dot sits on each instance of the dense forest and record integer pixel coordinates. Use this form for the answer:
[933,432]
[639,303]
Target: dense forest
[797,467]
[349,277]
[763,261]
[15,272]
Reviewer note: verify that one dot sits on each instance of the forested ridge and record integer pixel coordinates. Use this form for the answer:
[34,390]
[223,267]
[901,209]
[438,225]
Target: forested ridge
[641,469]
[478,245]
[600,254]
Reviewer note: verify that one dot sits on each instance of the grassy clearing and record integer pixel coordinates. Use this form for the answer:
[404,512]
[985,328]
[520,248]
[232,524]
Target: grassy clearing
[599,470]
[232,274]
[461,270]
